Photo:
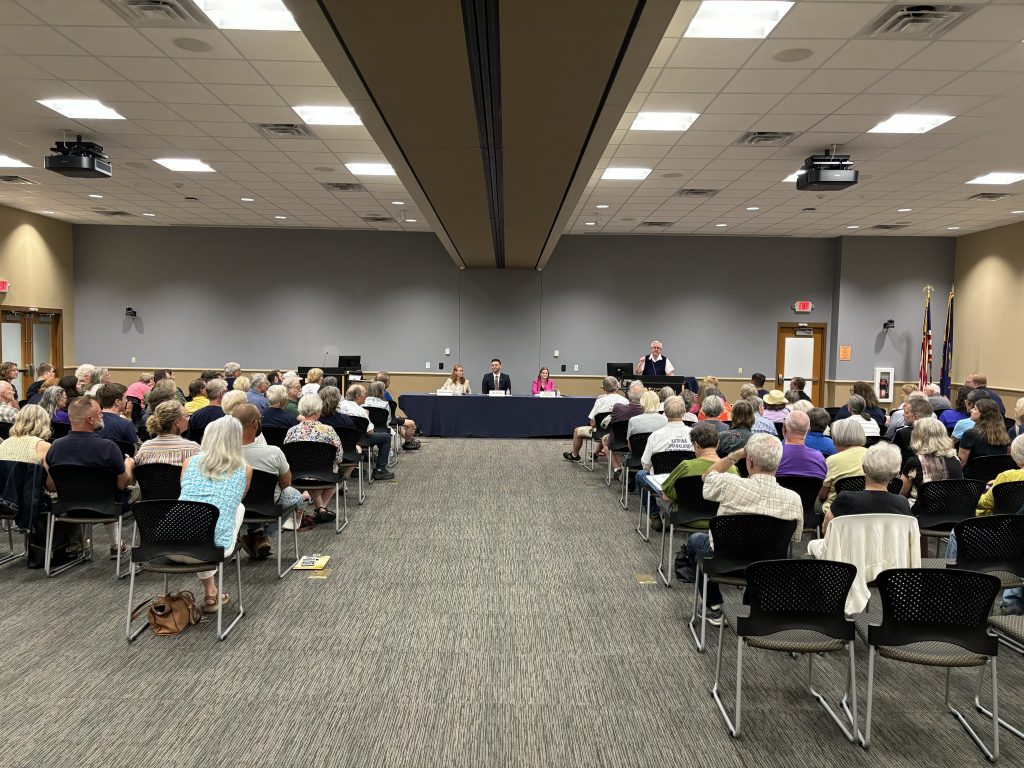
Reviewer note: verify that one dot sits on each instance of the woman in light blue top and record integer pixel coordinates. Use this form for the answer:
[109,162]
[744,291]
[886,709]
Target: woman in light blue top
[218,475]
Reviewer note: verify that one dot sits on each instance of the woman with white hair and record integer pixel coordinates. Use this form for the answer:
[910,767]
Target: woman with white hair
[218,475]
[847,461]
[881,464]
[712,409]
[97,379]
[28,437]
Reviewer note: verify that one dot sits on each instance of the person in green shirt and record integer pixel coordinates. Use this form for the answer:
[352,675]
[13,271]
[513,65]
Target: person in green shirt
[704,437]
[294,387]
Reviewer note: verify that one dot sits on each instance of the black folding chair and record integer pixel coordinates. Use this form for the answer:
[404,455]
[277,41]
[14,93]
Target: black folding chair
[859,483]
[349,443]
[5,429]
[934,617]
[1008,498]
[590,444]
[86,496]
[872,440]
[158,481]
[617,444]
[941,504]
[167,527]
[59,429]
[631,463]
[380,419]
[991,544]
[985,468]
[796,607]
[661,463]
[275,435]
[312,466]
[807,488]
[260,509]
[689,509]
[397,423]
[126,449]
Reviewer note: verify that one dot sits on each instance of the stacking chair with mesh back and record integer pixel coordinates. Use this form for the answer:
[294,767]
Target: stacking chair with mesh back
[590,443]
[941,504]
[86,496]
[59,429]
[126,449]
[631,463]
[739,541]
[396,422]
[196,435]
[312,466]
[832,413]
[380,418]
[778,430]
[349,442]
[796,607]
[617,444]
[260,508]
[938,618]
[807,488]
[1002,540]
[872,440]
[858,483]
[275,435]
[170,527]
[662,463]
[1008,498]
[985,468]
[367,456]
[690,513]
[5,429]
[158,481]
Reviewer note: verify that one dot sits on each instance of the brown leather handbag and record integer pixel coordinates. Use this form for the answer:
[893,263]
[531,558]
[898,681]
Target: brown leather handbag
[171,614]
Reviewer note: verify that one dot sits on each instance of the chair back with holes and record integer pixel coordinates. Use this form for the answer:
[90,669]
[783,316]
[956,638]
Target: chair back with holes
[798,595]
[5,429]
[985,468]
[349,440]
[744,539]
[599,432]
[311,461]
[807,488]
[379,417]
[275,435]
[666,461]
[617,437]
[936,605]
[1008,497]
[159,481]
[259,499]
[872,440]
[360,424]
[170,526]
[85,491]
[126,449]
[778,430]
[852,484]
[991,543]
[691,505]
[59,429]
[941,504]
[637,445]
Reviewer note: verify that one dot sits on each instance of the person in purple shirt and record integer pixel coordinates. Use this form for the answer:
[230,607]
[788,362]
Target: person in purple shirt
[798,458]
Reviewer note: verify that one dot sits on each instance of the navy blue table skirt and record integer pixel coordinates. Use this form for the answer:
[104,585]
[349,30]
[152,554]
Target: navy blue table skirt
[482,416]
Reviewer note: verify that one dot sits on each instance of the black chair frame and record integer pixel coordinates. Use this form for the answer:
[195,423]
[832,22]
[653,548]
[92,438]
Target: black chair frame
[690,507]
[260,508]
[312,466]
[661,463]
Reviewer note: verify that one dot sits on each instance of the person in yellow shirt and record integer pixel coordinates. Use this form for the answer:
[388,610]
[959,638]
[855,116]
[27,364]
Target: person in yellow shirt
[196,391]
[987,502]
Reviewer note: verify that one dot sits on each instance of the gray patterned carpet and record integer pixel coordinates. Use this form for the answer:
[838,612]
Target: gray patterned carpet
[482,610]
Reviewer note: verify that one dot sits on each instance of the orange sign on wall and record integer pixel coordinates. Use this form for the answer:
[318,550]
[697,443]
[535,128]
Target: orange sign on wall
[845,352]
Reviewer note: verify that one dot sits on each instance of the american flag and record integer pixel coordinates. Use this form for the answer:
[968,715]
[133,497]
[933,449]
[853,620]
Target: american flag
[925,373]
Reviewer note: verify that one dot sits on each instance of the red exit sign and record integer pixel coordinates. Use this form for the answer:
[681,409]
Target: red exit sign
[4,285]
[802,307]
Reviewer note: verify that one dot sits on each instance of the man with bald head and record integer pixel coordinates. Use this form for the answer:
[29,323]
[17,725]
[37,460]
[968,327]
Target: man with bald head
[798,458]
[8,403]
[654,364]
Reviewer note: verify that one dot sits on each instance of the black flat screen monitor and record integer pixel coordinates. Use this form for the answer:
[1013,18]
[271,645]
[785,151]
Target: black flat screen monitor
[620,370]
[350,363]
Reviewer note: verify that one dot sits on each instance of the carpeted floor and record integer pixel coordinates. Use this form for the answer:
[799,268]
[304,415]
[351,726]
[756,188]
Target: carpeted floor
[482,610]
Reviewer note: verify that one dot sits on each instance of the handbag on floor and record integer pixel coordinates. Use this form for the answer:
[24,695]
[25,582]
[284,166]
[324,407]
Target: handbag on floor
[172,613]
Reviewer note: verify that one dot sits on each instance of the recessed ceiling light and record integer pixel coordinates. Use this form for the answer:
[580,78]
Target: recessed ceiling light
[248,14]
[370,169]
[412,221]
[794,174]
[48,213]
[312,115]
[721,225]
[248,199]
[280,217]
[96,197]
[997,177]
[663,121]
[149,214]
[6,161]
[590,223]
[753,208]
[853,226]
[952,227]
[628,174]
[737,18]
[184,165]
[904,210]
[601,205]
[81,109]
[908,123]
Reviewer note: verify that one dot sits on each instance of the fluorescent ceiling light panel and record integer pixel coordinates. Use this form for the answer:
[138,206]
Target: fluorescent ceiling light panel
[737,18]
[663,121]
[6,161]
[269,15]
[904,210]
[81,109]
[312,115]
[627,174]
[794,174]
[997,177]
[601,205]
[908,123]
[370,169]
[184,165]
[149,214]
[412,221]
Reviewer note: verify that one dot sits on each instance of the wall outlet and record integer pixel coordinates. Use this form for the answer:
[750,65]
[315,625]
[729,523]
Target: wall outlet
[448,351]
[556,353]
[133,359]
[576,367]
[428,365]
[563,369]
[440,366]
[739,370]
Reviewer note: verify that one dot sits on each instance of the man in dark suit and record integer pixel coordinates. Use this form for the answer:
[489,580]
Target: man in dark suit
[496,379]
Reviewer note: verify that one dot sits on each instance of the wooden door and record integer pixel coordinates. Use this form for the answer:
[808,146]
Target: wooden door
[30,336]
[800,351]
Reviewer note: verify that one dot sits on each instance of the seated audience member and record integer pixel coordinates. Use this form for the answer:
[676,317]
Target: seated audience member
[1018,418]
[330,399]
[978,380]
[8,402]
[55,403]
[375,399]
[690,417]
[881,464]
[99,377]
[256,393]
[218,475]
[776,408]
[857,408]
[757,382]
[988,436]
[986,504]
[83,375]
[233,400]
[311,430]
[712,408]
[43,372]
[314,378]
[139,389]
[273,378]
[352,405]
[932,457]
[457,382]
[873,407]
[70,386]
[543,382]
[161,392]
[231,372]
[757,494]
[264,458]
[198,421]
[761,424]
[242,384]
[915,409]
[816,439]
[167,375]
[938,400]
[51,381]
[966,423]
[28,437]
[705,439]
[328,381]
[166,446]
[895,420]
[293,388]
[848,436]
[407,427]
[674,436]
[650,420]
[960,410]
[197,396]
[792,398]
[114,425]
[799,459]
[275,415]
[804,406]
[740,431]
[603,404]
[797,384]
[211,375]
[83,447]
[664,394]
[625,412]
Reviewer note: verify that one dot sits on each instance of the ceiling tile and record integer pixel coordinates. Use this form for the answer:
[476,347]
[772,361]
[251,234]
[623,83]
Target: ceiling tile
[247,95]
[111,41]
[37,40]
[180,93]
[771,54]
[875,54]
[201,43]
[301,73]
[839,81]
[948,55]
[913,81]
[276,46]
[679,80]
[228,71]
[766,81]
[807,103]
[702,53]
[839,20]
[149,69]
[743,103]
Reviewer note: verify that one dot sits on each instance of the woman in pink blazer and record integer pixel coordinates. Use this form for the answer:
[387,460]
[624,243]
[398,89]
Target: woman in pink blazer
[543,382]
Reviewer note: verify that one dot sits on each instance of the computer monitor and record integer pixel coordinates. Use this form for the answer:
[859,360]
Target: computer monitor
[350,363]
[620,370]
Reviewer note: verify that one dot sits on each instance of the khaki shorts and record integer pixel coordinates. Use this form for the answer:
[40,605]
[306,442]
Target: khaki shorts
[585,431]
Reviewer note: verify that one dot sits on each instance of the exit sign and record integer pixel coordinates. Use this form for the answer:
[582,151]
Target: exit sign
[4,285]
[802,307]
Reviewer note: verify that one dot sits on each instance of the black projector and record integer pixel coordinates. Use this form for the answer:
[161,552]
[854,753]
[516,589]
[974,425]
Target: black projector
[827,173]
[79,159]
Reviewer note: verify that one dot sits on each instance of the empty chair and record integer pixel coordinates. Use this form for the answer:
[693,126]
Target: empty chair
[985,468]
[86,496]
[312,466]
[807,488]
[941,504]
[158,481]
[380,418]
[260,508]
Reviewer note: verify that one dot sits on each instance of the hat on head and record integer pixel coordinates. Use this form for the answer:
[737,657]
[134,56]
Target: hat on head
[775,397]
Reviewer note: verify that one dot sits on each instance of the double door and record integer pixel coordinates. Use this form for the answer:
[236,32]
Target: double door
[30,336]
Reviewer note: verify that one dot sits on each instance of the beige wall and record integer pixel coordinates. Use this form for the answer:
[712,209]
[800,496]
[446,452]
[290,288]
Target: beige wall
[989,307]
[36,257]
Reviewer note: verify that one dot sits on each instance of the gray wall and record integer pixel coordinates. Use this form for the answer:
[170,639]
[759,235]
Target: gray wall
[286,297]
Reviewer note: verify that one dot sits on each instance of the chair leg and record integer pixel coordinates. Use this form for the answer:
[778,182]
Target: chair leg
[132,609]
[340,520]
[734,727]
[849,728]
[645,508]
[701,596]
[362,495]
[282,572]
[990,713]
[9,524]
[624,498]
[48,568]
[992,754]
[221,634]
[866,738]
[665,573]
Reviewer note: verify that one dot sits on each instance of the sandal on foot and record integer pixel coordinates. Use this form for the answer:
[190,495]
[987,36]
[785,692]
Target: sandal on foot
[324,515]
[116,552]
[210,603]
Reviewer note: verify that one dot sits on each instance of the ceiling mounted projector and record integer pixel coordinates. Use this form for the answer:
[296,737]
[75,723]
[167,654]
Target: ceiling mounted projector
[827,173]
[79,159]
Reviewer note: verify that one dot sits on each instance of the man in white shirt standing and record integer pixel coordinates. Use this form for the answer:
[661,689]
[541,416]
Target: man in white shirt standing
[654,364]
[603,404]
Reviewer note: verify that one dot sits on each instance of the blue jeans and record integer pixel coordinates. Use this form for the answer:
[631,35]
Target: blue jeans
[290,498]
[645,492]
[698,545]
[382,441]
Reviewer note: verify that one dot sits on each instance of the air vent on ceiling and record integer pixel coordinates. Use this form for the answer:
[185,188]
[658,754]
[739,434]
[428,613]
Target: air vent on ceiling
[284,131]
[694,192]
[764,139]
[159,13]
[114,214]
[889,227]
[16,180]
[379,219]
[917,20]
[656,223]
[343,186]
[990,196]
